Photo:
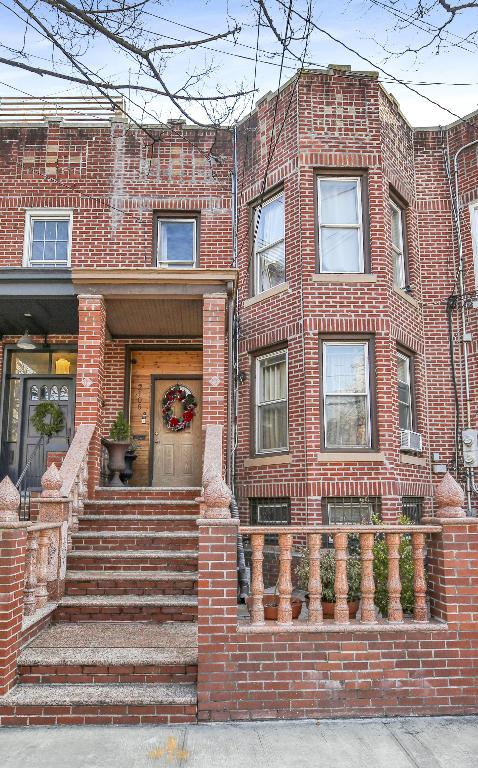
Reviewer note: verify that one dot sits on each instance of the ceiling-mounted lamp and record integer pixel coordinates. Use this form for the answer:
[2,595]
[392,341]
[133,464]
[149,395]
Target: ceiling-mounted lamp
[26,341]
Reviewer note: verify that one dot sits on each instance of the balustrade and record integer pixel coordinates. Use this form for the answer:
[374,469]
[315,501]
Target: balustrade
[366,536]
[38,566]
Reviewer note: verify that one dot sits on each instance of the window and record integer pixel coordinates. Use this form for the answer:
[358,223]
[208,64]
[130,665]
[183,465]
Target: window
[177,245]
[405,395]
[474,236]
[346,395]
[412,507]
[349,510]
[340,225]
[269,254]
[270,512]
[271,402]
[397,215]
[48,238]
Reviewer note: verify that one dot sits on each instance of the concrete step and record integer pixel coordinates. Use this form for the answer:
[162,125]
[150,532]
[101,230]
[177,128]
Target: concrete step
[100,704]
[120,540]
[120,652]
[120,522]
[131,582]
[135,560]
[153,608]
[137,506]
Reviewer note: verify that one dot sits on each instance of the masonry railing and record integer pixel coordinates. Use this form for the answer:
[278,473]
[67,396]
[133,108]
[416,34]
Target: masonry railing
[216,496]
[366,534]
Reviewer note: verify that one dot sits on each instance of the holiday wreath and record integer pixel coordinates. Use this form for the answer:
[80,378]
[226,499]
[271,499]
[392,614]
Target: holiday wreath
[178,393]
[55,421]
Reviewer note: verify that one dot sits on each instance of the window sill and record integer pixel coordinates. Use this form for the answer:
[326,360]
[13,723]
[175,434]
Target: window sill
[351,457]
[263,461]
[408,458]
[266,294]
[407,297]
[347,277]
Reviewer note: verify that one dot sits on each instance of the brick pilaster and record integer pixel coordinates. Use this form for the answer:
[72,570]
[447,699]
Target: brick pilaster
[90,376]
[214,407]
[13,539]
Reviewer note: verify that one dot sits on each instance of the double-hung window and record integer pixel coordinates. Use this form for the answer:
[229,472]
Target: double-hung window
[474,237]
[271,403]
[346,395]
[398,244]
[177,243]
[405,393]
[47,238]
[269,251]
[340,225]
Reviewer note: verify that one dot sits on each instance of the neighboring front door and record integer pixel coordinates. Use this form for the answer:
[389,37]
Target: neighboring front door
[61,392]
[177,456]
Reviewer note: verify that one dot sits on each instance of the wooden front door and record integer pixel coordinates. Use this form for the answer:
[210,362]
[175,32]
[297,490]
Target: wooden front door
[177,456]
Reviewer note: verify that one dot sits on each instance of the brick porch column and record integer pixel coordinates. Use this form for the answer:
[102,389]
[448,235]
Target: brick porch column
[13,541]
[214,405]
[90,376]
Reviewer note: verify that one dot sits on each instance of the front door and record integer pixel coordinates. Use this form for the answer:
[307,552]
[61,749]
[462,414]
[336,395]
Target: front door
[61,392]
[177,456]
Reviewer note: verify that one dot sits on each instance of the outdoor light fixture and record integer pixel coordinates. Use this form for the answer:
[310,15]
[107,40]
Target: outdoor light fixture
[26,341]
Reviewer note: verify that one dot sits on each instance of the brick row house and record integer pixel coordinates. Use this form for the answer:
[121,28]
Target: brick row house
[310,313]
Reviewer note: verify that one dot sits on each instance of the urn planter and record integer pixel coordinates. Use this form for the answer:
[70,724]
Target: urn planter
[116,460]
[127,473]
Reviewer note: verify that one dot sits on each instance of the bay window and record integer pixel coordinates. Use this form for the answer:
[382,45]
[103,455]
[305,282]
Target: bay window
[346,395]
[269,250]
[271,406]
[340,224]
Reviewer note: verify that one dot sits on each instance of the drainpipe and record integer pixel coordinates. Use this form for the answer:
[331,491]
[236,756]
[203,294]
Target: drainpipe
[230,387]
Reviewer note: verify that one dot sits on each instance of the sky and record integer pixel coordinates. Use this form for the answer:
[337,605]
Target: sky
[448,77]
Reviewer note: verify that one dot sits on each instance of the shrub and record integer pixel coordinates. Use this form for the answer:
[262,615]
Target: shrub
[120,431]
[380,571]
[327,574]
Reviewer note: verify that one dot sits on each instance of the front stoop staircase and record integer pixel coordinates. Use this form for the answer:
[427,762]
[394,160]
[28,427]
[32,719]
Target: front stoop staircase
[122,646]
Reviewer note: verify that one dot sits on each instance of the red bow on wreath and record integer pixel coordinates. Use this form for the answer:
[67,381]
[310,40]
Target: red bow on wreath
[182,395]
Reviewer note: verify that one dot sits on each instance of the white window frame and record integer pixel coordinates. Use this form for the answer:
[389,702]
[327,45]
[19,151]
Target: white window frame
[176,220]
[358,227]
[474,237]
[408,359]
[366,347]
[398,253]
[45,214]
[257,404]
[259,251]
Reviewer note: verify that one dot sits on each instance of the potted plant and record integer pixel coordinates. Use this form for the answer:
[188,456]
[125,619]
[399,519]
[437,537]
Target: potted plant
[129,457]
[270,601]
[117,445]
[327,576]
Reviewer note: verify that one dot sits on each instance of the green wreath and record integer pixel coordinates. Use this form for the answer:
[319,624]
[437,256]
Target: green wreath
[51,427]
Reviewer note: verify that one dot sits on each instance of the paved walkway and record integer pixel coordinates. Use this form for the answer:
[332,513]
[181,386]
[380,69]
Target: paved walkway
[404,743]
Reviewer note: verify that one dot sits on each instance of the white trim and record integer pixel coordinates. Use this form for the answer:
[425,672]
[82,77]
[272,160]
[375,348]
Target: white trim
[176,264]
[474,237]
[257,405]
[358,227]
[44,214]
[257,252]
[365,393]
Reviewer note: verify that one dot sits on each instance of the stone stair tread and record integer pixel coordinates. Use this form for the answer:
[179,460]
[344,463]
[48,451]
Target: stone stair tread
[132,553]
[142,575]
[106,534]
[117,634]
[128,600]
[58,694]
[142,502]
[114,657]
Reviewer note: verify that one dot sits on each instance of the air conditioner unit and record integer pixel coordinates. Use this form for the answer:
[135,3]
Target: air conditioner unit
[410,441]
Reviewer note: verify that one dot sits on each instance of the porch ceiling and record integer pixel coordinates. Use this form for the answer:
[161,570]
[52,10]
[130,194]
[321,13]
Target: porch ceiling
[45,296]
[153,317]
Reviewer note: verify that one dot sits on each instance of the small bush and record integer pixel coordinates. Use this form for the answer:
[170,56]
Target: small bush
[120,431]
[380,572]
[327,574]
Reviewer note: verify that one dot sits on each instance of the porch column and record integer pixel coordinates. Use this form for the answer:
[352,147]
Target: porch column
[90,376]
[214,405]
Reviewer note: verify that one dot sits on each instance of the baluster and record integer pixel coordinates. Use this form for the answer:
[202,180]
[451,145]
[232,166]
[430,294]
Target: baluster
[42,569]
[69,545]
[341,612]
[285,580]
[419,582]
[367,586]
[257,580]
[29,595]
[395,612]
[314,541]
[75,504]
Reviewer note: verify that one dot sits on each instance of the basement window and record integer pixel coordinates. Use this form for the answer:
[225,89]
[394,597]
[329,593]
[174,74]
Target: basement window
[176,243]
[270,512]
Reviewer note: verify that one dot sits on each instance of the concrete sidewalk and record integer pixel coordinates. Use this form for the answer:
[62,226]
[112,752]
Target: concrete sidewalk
[400,743]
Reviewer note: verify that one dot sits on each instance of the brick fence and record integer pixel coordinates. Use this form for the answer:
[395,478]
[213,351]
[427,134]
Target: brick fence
[402,669]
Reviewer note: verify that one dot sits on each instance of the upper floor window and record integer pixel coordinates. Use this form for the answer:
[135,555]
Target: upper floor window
[474,236]
[271,416]
[397,219]
[340,225]
[47,238]
[177,243]
[405,391]
[269,251]
[346,395]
